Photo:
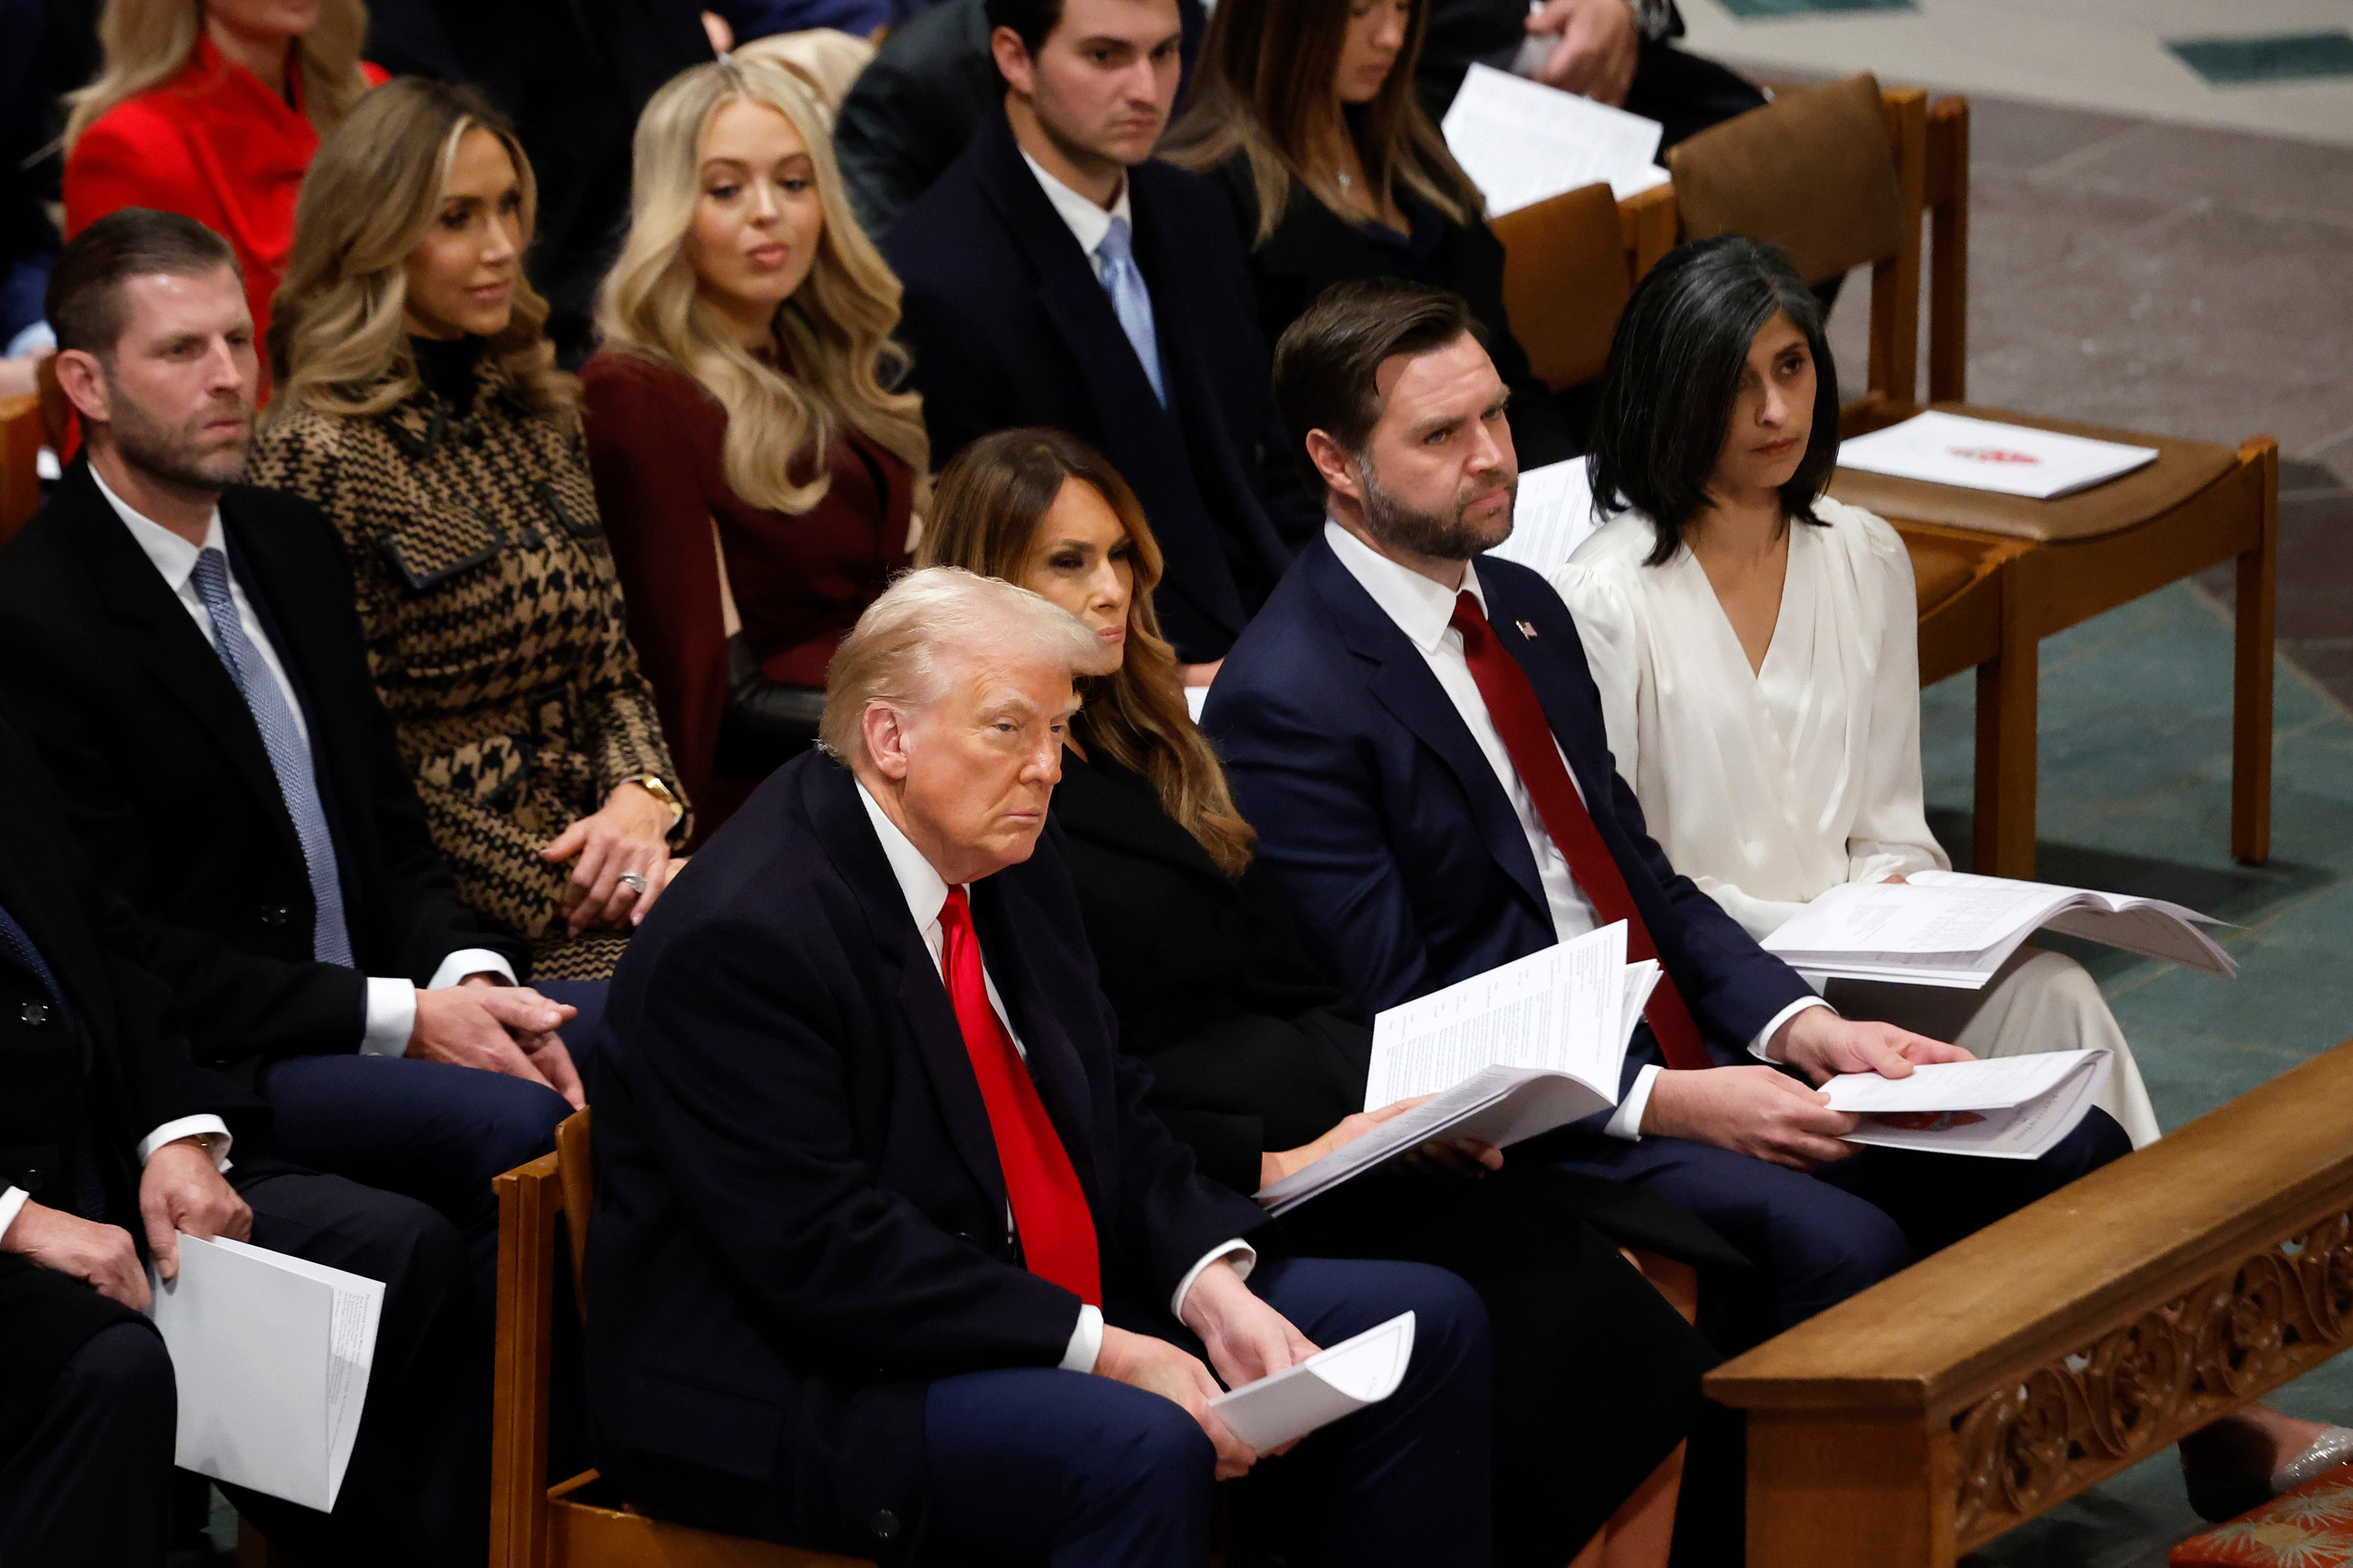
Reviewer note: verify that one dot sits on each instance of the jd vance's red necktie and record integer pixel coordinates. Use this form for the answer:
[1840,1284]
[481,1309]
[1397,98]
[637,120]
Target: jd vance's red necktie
[1049,1207]
[1519,719]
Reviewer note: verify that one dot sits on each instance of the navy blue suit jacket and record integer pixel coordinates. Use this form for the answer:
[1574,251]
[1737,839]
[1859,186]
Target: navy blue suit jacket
[1399,849]
[800,1220]
[1009,326]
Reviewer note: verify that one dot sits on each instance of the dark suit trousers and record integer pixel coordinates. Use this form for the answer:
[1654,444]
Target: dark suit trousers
[417,1489]
[1686,93]
[1040,1466]
[428,1130]
[1816,1239]
[90,1487]
[1575,1432]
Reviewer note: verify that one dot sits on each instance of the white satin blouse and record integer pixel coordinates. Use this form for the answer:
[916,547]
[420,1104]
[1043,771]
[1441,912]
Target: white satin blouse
[1766,788]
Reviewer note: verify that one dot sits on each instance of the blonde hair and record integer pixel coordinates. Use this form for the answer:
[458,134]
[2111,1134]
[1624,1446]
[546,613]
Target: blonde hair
[1264,82]
[925,627]
[826,58]
[835,359]
[337,336]
[145,43]
[985,515]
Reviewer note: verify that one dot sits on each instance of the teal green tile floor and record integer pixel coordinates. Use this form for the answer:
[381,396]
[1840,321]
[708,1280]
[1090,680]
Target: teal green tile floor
[2284,57]
[2136,798]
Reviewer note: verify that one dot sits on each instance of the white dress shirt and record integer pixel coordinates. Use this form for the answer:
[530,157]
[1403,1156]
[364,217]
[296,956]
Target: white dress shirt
[391,1005]
[926,892]
[1087,222]
[1424,610]
[12,1200]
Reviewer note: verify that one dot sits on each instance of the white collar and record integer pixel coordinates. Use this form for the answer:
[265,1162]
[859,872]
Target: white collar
[1422,610]
[174,556]
[925,891]
[1087,222]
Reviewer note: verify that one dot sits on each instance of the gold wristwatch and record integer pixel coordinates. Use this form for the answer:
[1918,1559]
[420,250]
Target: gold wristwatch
[661,792]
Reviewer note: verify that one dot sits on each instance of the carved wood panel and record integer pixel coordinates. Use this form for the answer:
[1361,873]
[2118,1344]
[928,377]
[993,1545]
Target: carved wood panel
[2236,1334]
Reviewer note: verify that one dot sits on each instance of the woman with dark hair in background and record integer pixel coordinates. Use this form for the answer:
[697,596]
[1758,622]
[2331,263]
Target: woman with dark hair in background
[1304,112]
[1260,1063]
[1785,625]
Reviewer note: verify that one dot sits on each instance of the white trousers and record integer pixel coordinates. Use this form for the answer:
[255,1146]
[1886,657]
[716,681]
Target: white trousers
[2039,1001]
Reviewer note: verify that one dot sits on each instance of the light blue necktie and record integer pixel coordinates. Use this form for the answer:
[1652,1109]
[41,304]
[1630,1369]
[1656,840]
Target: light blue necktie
[1115,264]
[290,759]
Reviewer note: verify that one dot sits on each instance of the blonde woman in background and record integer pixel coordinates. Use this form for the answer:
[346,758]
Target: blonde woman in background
[757,472]
[827,60]
[213,109]
[419,407]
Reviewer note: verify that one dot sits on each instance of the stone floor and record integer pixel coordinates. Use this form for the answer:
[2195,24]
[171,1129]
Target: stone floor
[2275,67]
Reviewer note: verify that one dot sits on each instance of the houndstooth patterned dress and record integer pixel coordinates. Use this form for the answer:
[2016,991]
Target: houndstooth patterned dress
[494,629]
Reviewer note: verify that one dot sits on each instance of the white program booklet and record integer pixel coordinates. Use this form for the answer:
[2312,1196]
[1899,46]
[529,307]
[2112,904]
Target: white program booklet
[1525,1047]
[2003,1108]
[1551,515]
[1339,1380]
[271,1354]
[1979,455]
[1954,928]
[1523,143]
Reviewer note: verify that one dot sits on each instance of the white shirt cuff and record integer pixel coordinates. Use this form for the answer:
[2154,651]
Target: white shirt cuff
[1764,1036]
[188,1127]
[1628,1122]
[466,962]
[391,1017]
[1086,1341]
[14,1199]
[1243,1255]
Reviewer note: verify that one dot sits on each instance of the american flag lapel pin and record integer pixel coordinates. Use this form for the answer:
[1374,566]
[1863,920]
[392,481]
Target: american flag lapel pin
[1527,630]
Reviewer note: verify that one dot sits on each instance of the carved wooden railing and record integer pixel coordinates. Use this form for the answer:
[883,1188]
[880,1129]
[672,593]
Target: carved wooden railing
[1983,1386]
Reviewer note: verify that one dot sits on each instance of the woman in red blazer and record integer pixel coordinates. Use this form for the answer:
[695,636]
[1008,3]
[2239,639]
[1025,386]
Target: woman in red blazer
[756,477]
[212,111]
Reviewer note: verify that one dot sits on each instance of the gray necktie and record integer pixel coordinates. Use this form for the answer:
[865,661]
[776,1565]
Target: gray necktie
[1115,264]
[290,759]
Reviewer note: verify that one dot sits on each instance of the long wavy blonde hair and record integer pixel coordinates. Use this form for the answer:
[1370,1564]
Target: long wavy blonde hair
[338,337]
[985,514]
[146,43]
[836,362]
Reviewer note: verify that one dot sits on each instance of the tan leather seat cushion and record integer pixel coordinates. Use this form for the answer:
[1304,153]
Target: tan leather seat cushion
[1565,282]
[1812,172]
[2182,469]
[1941,567]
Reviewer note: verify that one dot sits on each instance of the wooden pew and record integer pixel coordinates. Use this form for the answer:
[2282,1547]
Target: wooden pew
[1983,1386]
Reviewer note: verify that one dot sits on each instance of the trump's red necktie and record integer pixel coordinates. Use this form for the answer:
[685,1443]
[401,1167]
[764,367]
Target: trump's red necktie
[1519,719]
[1049,1207]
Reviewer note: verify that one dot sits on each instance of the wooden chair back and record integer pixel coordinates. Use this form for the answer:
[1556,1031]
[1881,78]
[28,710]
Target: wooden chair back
[533,1524]
[1567,279]
[20,455]
[1836,177]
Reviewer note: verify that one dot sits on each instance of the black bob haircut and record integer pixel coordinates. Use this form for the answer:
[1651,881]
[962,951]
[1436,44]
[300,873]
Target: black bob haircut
[1673,376]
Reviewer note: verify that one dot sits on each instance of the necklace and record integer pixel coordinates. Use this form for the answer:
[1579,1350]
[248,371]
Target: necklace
[1346,183]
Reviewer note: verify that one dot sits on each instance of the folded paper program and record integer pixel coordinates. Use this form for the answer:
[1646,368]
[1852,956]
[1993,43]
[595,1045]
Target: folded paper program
[1339,1381]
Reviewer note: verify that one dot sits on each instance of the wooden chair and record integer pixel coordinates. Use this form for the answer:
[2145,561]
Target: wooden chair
[533,1524]
[1565,286]
[1984,1385]
[1804,171]
[1568,274]
[20,452]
